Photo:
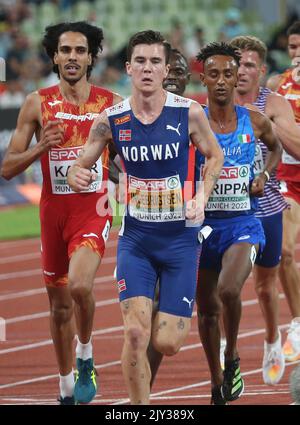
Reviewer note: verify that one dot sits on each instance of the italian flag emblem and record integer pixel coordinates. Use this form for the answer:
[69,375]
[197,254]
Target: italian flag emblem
[244,138]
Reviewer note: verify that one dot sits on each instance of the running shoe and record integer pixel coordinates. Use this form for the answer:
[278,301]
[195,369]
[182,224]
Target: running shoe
[222,350]
[216,396]
[85,381]
[273,362]
[66,400]
[233,384]
[291,347]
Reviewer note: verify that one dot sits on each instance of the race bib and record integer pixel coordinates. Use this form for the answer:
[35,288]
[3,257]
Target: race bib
[258,160]
[155,200]
[60,160]
[231,193]
[288,159]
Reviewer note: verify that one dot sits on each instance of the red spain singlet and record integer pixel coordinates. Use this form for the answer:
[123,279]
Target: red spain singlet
[70,220]
[288,171]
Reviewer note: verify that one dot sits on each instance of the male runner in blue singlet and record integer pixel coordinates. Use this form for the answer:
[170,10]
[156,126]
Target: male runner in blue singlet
[152,131]
[233,235]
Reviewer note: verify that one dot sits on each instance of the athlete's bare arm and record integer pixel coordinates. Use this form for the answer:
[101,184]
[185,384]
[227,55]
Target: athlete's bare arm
[80,175]
[205,141]
[273,82]
[19,156]
[279,110]
[262,126]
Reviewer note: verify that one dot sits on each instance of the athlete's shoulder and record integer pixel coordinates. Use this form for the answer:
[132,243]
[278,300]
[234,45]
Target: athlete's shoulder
[176,101]
[49,91]
[119,107]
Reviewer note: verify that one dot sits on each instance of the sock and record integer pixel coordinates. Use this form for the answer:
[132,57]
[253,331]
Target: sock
[84,351]
[66,384]
[276,343]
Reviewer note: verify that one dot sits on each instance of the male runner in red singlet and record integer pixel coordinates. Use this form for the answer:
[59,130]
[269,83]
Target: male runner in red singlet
[288,85]
[74,226]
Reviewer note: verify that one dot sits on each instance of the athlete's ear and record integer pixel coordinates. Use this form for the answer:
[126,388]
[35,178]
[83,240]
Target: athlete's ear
[55,58]
[128,68]
[89,59]
[201,75]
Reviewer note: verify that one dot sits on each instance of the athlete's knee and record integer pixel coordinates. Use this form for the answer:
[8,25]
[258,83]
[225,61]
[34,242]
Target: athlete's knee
[80,288]
[265,289]
[137,337]
[168,345]
[61,313]
[287,256]
[208,318]
[229,294]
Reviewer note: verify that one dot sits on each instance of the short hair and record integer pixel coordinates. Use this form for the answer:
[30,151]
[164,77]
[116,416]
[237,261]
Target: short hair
[250,42]
[93,34]
[294,28]
[178,52]
[148,37]
[223,49]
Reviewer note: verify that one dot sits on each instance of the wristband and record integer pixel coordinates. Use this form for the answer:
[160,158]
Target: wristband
[266,173]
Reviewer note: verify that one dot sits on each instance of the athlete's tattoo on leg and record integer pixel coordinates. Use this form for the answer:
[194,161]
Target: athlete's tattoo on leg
[180,324]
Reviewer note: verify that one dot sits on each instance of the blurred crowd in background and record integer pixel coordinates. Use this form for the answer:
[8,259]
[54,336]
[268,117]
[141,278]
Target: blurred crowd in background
[187,24]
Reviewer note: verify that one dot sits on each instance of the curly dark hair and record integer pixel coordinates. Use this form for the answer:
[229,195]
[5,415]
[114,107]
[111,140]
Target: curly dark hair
[223,49]
[148,37]
[93,34]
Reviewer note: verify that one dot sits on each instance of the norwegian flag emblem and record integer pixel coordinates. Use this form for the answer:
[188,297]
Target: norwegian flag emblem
[124,135]
[122,285]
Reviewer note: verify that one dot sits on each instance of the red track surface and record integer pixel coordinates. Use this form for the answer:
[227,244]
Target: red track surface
[28,372]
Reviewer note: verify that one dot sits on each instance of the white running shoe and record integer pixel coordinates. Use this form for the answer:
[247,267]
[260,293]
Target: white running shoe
[291,347]
[273,362]
[222,355]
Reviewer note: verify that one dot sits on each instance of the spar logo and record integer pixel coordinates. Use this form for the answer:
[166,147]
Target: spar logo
[244,171]
[2,69]
[229,173]
[147,184]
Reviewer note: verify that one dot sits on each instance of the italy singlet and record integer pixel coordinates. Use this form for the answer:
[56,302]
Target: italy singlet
[70,219]
[229,214]
[155,239]
[289,168]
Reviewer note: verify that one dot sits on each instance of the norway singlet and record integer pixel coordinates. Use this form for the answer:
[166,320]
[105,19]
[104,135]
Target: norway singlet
[156,158]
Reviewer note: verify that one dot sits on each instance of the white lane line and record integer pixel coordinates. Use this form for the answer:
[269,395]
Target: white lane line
[49,341]
[32,292]
[32,255]
[34,272]
[46,313]
[118,362]
[196,385]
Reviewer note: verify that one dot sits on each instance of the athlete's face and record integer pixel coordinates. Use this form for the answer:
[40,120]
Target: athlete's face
[250,71]
[147,67]
[178,76]
[72,57]
[220,77]
[294,46]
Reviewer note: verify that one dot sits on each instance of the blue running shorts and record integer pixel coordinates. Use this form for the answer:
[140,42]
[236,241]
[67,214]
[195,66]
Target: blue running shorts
[227,232]
[146,255]
[271,255]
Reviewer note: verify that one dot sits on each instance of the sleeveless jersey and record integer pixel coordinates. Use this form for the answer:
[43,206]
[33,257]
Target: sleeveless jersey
[230,196]
[289,167]
[77,121]
[272,202]
[156,159]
